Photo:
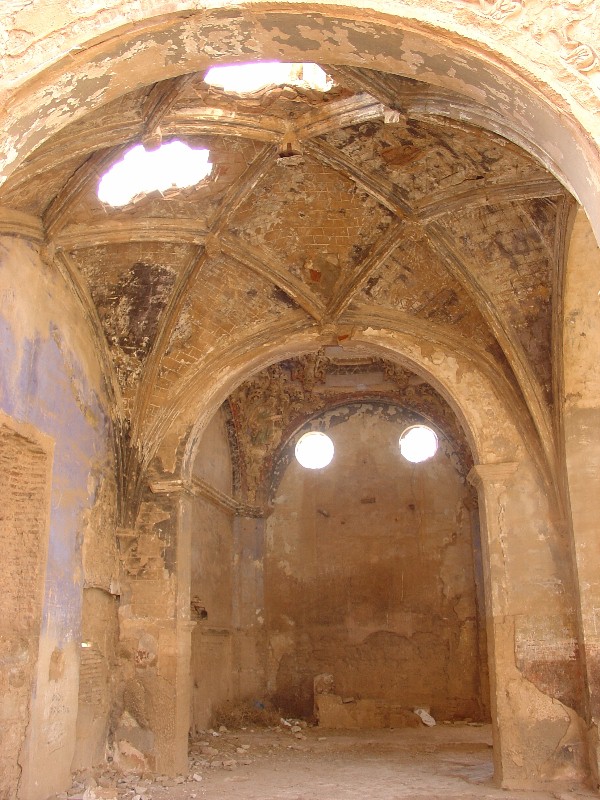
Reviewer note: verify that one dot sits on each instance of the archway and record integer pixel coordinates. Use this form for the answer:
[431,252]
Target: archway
[480,60]
[518,519]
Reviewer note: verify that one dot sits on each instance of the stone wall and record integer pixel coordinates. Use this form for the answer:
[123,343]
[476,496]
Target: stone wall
[370,576]
[50,382]
[212,581]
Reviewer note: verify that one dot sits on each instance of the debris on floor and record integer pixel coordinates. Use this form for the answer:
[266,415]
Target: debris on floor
[445,761]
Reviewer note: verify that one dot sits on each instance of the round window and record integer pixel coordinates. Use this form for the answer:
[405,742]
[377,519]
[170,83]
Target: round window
[418,443]
[314,450]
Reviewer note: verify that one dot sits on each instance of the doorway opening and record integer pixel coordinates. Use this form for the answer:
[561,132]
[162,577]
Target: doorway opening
[344,598]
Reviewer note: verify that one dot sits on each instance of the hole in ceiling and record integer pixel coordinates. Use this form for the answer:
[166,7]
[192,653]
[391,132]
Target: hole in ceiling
[171,166]
[314,450]
[418,443]
[248,78]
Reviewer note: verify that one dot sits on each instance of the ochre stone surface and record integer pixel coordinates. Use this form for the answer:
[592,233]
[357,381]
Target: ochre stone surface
[24,538]
[369,575]
[416,245]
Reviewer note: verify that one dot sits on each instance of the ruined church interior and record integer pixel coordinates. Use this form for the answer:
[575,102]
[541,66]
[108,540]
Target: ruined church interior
[394,234]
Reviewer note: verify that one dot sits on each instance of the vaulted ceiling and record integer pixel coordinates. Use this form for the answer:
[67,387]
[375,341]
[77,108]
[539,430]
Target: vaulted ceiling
[321,209]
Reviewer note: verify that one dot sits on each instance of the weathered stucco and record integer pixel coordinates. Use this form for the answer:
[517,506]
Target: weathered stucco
[370,575]
[51,382]
[422,236]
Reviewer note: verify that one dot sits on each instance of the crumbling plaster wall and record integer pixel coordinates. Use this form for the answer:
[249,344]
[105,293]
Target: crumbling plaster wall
[531,615]
[149,700]
[212,580]
[228,646]
[581,420]
[50,379]
[188,551]
[97,676]
[25,468]
[369,574]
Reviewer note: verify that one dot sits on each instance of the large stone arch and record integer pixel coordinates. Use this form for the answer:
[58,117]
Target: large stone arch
[537,736]
[57,72]
[65,66]
[427,350]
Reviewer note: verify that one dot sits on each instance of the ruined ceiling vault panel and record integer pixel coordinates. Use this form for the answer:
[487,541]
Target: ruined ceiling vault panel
[226,301]
[131,286]
[108,127]
[315,220]
[284,102]
[413,280]
[229,157]
[104,265]
[33,196]
[424,160]
[513,260]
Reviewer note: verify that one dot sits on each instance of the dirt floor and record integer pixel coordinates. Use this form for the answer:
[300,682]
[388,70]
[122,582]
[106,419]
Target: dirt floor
[449,762]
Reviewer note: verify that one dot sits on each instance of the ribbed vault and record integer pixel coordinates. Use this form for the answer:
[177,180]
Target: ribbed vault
[323,210]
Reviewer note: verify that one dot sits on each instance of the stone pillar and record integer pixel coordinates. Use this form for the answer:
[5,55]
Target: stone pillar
[248,606]
[490,481]
[156,634]
[534,733]
[581,423]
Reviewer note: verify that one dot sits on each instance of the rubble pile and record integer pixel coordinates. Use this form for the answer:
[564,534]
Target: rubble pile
[220,749]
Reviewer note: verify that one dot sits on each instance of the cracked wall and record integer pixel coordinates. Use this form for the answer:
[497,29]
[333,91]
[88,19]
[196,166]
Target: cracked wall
[212,582]
[369,576]
[50,381]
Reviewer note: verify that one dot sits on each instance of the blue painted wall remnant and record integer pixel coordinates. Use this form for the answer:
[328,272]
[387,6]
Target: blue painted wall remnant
[44,381]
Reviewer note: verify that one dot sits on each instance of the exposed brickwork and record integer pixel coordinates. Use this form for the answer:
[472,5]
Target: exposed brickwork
[314,220]
[514,263]
[23,532]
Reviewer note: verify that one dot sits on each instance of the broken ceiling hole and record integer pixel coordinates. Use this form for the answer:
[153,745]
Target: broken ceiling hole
[418,443]
[314,450]
[248,78]
[171,166]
